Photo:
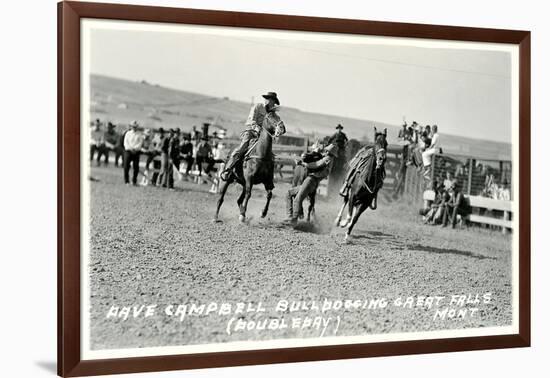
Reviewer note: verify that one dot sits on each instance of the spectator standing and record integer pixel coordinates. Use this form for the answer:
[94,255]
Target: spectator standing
[175,153]
[204,156]
[133,143]
[432,147]
[149,152]
[96,141]
[186,153]
[110,138]
[220,155]
[148,148]
[403,133]
[165,165]
[119,151]
[158,139]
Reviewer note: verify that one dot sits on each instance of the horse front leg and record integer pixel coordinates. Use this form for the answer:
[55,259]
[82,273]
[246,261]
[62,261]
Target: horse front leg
[220,199]
[351,207]
[241,197]
[339,216]
[268,200]
[357,211]
[244,205]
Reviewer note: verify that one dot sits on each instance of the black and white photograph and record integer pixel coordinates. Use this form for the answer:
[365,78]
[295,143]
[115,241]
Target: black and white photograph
[250,189]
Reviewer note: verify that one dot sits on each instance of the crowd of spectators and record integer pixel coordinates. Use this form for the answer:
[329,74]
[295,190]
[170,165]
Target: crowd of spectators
[164,154]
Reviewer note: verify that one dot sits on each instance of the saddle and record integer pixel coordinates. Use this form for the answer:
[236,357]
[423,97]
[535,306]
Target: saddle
[364,170]
[252,154]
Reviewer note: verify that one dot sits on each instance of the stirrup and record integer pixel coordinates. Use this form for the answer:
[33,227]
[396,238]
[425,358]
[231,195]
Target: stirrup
[225,175]
[344,190]
[374,203]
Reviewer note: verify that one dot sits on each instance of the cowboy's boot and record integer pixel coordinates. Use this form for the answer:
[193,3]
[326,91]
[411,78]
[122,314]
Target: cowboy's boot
[231,162]
[374,203]
[291,219]
[344,189]
[289,202]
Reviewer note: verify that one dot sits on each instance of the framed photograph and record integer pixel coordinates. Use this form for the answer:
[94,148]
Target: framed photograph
[241,188]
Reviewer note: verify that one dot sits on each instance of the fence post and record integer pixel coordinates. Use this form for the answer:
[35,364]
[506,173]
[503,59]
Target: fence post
[505,217]
[433,170]
[470,170]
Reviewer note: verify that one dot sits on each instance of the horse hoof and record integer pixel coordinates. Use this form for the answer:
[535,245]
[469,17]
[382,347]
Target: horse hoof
[343,224]
[242,218]
[347,239]
[216,220]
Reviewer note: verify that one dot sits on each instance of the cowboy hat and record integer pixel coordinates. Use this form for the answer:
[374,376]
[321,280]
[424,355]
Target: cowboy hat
[339,127]
[273,96]
[134,124]
[332,149]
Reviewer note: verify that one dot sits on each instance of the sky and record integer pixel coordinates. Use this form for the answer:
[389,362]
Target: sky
[465,92]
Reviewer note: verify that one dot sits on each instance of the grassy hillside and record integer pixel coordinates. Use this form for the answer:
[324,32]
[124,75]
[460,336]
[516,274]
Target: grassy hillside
[122,101]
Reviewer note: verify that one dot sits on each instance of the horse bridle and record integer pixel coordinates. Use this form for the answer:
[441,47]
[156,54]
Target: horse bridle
[276,126]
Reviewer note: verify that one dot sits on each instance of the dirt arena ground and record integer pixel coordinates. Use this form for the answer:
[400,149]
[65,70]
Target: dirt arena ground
[154,246]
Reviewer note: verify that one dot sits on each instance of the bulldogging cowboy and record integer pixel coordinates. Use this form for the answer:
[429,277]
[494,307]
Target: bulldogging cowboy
[317,171]
[258,114]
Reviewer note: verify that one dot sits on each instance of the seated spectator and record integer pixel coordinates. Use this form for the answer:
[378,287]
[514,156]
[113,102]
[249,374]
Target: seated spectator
[403,132]
[437,208]
[490,188]
[426,137]
[504,191]
[456,208]
[416,146]
[432,147]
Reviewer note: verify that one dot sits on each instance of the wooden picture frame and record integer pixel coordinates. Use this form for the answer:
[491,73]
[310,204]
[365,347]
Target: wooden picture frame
[70,14]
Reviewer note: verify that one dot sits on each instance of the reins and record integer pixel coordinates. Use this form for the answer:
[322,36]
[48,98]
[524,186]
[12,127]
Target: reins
[251,148]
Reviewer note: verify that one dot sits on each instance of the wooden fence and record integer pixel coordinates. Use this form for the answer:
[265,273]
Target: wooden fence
[485,210]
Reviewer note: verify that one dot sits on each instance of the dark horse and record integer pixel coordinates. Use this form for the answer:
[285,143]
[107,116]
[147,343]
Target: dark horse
[257,168]
[366,182]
